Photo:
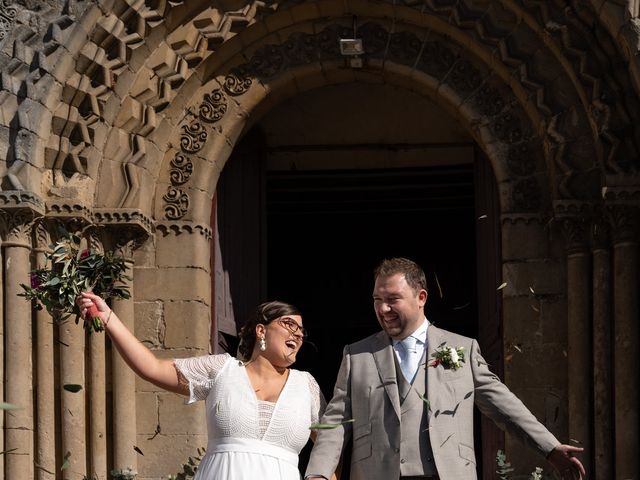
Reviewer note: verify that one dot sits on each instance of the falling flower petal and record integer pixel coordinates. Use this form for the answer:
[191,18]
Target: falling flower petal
[482,216]
[502,286]
[532,290]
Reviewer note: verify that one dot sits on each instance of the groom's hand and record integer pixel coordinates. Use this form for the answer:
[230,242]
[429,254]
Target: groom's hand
[562,459]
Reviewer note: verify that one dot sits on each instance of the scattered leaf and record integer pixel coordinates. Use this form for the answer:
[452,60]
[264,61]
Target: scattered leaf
[577,442]
[8,451]
[137,449]
[462,306]
[66,464]
[468,394]
[502,286]
[425,400]
[535,309]
[8,406]
[532,290]
[446,439]
[328,426]
[517,347]
[438,284]
[482,216]
[72,387]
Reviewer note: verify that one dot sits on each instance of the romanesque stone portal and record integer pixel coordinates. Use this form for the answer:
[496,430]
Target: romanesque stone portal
[117,117]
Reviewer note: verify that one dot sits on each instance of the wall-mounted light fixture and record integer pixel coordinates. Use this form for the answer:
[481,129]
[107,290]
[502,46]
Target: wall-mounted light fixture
[352,48]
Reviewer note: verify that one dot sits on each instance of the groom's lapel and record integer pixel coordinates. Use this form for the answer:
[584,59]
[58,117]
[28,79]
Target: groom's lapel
[383,356]
[435,338]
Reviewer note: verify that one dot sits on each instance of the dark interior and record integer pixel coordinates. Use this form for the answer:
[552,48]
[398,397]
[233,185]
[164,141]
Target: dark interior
[327,230]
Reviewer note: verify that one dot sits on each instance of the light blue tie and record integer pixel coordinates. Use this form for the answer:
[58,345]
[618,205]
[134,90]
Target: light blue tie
[410,358]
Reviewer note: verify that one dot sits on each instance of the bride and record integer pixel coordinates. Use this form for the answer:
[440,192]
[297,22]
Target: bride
[258,409]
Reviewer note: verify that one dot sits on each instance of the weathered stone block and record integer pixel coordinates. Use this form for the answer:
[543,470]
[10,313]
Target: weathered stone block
[165,454]
[172,284]
[183,249]
[146,413]
[553,317]
[177,418]
[544,277]
[187,325]
[149,326]
[521,321]
[522,239]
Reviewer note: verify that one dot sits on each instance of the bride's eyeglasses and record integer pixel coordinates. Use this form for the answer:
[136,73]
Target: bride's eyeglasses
[293,327]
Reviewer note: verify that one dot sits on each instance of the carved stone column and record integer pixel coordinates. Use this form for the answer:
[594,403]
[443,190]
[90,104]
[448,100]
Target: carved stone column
[45,375]
[128,229]
[579,332]
[72,404]
[626,361]
[602,373]
[98,468]
[17,359]
[124,384]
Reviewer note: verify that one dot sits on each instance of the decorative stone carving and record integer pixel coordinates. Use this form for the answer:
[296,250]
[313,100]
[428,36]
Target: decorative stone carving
[176,228]
[193,137]
[434,57]
[625,223]
[213,107]
[7,17]
[237,83]
[131,217]
[181,169]
[177,203]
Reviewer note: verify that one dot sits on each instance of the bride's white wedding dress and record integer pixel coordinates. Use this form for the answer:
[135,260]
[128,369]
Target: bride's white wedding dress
[250,438]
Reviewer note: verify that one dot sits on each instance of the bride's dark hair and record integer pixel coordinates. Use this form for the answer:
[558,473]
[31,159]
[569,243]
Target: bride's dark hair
[265,314]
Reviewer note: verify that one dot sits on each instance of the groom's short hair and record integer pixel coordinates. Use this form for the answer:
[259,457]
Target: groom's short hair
[413,274]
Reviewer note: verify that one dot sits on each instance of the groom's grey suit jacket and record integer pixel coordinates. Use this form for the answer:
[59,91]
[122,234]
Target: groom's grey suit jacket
[366,391]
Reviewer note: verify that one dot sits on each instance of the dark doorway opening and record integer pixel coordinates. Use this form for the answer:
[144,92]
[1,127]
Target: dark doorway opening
[313,238]
[327,230]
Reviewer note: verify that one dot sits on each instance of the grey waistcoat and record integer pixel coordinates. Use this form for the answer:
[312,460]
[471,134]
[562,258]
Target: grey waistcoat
[415,447]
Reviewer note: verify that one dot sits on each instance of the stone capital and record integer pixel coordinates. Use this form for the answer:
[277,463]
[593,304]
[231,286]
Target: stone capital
[132,225]
[19,210]
[575,220]
[625,223]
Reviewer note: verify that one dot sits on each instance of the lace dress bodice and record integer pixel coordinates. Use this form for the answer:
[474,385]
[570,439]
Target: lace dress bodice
[234,411]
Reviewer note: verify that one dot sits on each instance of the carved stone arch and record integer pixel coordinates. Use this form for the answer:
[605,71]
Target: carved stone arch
[507,126]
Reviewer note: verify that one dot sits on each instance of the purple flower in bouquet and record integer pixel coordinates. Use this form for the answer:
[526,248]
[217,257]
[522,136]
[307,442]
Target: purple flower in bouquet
[36,281]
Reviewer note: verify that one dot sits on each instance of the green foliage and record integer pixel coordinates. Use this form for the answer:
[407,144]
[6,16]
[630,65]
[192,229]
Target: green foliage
[124,474]
[72,272]
[505,470]
[190,468]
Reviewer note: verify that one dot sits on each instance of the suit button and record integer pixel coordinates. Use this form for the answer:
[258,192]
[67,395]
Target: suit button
[402,460]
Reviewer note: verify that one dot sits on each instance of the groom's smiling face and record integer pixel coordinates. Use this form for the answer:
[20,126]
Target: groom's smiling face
[399,308]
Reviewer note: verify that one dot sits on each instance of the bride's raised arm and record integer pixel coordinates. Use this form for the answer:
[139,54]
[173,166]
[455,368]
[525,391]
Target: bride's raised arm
[160,372]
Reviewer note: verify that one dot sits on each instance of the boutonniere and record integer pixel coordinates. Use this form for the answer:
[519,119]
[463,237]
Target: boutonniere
[448,357]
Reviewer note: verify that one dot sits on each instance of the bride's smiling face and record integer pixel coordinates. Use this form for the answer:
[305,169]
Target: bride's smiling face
[283,337]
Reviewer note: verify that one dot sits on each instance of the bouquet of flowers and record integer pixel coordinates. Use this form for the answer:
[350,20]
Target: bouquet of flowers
[73,271]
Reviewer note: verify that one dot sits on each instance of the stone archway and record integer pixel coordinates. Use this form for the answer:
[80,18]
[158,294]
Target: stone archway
[123,114]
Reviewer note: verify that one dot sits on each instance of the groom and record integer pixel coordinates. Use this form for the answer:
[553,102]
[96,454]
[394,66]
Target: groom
[409,415]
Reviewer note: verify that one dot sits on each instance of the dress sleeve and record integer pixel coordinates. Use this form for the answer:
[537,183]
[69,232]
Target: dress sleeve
[318,402]
[199,373]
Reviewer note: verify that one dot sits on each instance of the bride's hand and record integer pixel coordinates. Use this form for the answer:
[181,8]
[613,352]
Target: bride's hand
[92,306]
